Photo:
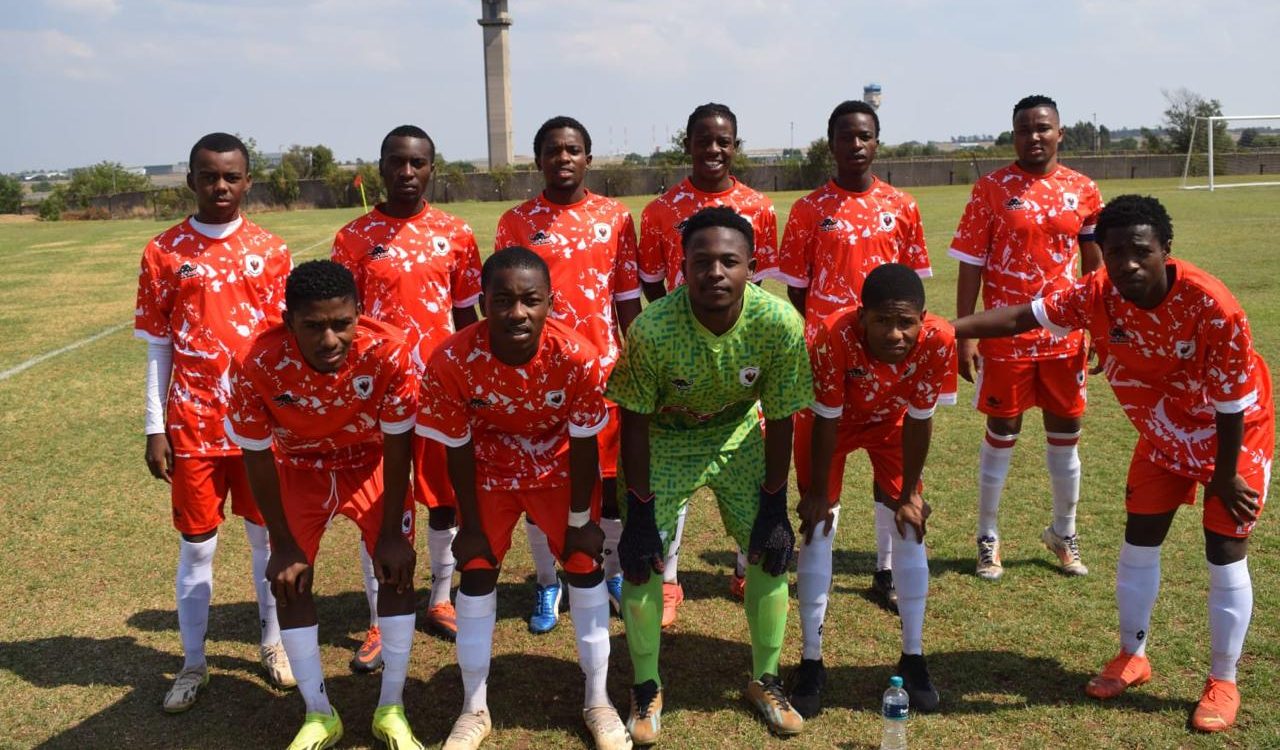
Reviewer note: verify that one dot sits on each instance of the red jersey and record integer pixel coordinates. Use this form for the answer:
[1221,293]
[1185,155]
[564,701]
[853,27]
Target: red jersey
[851,385]
[1174,366]
[208,298]
[590,247]
[519,419]
[661,253]
[412,272]
[1023,230]
[834,238]
[328,421]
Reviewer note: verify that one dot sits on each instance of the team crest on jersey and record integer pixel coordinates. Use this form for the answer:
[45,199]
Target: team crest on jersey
[748,376]
[828,225]
[540,238]
[1118,335]
[253,265]
[406,523]
[187,271]
[555,399]
[285,399]
[378,252]
[363,385]
[1185,349]
[1015,204]
[603,232]
[888,221]
[1070,201]
[682,385]
[441,244]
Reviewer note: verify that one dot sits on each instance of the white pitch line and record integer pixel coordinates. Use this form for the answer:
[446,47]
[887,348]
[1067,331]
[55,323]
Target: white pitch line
[6,374]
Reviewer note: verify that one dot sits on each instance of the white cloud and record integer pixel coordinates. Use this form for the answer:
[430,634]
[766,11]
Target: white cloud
[100,8]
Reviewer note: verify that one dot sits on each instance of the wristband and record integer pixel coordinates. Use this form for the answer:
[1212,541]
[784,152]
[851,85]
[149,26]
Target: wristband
[578,519]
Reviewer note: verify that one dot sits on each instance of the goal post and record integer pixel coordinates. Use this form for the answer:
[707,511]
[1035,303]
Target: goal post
[1201,161]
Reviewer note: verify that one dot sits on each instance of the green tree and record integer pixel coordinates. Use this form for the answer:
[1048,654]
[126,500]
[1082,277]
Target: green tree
[1079,137]
[51,207]
[1005,138]
[257,160]
[818,163]
[1180,121]
[104,178]
[10,194]
[283,184]
[310,162]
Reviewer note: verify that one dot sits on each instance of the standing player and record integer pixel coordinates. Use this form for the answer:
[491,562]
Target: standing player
[589,243]
[323,406]
[835,236]
[1018,241]
[711,141]
[206,287]
[879,373]
[1176,348]
[692,370]
[517,405]
[414,265]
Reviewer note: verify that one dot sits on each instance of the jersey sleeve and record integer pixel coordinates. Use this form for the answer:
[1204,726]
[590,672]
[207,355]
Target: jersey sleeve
[972,239]
[766,230]
[464,282]
[827,361]
[788,385]
[626,280]
[248,423]
[936,381]
[651,255]
[343,253]
[587,412]
[633,384]
[794,261]
[1069,309]
[156,294]
[279,266]
[1232,382]
[1090,206]
[397,412]
[442,412]
[916,253]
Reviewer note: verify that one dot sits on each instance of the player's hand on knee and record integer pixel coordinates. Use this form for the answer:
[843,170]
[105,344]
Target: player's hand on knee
[394,561]
[640,548]
[815,512]
[289,573]
[587,539]
[913,512]
[1241,499]
[968,361]
[159,456]
[470,544]
[772,539]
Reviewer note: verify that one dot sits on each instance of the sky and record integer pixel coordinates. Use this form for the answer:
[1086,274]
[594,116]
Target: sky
[138,81]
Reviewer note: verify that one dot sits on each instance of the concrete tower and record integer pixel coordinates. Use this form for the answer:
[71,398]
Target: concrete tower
[497,80]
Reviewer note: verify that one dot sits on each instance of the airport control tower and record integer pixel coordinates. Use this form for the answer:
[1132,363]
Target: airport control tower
[871,95]
[497,80]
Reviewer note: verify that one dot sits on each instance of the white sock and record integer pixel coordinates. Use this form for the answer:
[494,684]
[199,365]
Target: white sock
[886,530]
[813,586]
[911,580]
[397,640]
[194,588]
[260,553]
[612,528]
[544,563]
[669,573]
[1137,584]
[370,584]
[993,469]
[589,608]
[303,648]
[1230,608]
[1063,462]
[740,564]
[476,617]
[440,548]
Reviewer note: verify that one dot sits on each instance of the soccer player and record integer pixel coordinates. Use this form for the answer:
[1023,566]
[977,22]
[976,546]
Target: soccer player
[206,287]
[589,243]
[835,236]
[1176,348]
[879,372]
[1018,240]
[517,403]
[323,406]
[414,265]
[693,368]
[711,141]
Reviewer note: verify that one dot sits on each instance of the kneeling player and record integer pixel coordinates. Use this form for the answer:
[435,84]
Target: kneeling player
[323,407]
[1176,347]
[692,369]
[879,372]
[517,402]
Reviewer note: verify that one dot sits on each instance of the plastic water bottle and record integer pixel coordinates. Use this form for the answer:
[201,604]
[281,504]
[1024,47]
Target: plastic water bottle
[895,710]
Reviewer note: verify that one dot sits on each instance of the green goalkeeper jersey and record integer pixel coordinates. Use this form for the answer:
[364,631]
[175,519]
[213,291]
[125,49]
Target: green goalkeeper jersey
[701,389]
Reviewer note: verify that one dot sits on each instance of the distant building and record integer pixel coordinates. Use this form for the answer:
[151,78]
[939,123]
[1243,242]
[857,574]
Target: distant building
[871,94]
[153,170]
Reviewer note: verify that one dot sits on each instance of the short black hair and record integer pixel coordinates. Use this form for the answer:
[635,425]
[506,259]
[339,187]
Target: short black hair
[852,106]
[218,143]
[556,123]
[1132,211]
[718,216]
[514,257]
[407,131]
[318,280]
[1033,101]
[892,282]
[711,109]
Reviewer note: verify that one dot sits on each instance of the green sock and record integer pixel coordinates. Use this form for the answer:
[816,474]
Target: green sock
[766,604]
[642,613]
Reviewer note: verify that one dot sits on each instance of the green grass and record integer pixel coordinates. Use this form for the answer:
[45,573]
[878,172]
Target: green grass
[88,637]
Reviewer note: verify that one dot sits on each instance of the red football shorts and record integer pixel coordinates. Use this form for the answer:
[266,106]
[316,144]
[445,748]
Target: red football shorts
[1009,387]
[610,441]
[882,441]
[500,510]
[312,498]
[1152,489]
[431,485]
[200,488]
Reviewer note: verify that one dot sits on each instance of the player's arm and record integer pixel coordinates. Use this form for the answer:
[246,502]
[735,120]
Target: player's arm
[640,549]
[799,296]
[159,452]
[815,507]
[772,538]
[288,571]
[394,556]
[1226,484]
[654,289]
[995,323]
[583,534]
[627,310]
[1090,257]
[968,285]
[912,510]
[471,541]
[464,316]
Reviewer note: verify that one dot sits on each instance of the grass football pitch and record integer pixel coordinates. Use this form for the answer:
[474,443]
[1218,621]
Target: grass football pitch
[88,633]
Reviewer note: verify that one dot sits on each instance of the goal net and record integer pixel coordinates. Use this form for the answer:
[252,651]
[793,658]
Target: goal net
[1233,151]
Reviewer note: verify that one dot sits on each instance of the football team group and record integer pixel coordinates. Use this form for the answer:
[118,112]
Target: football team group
[368,386]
